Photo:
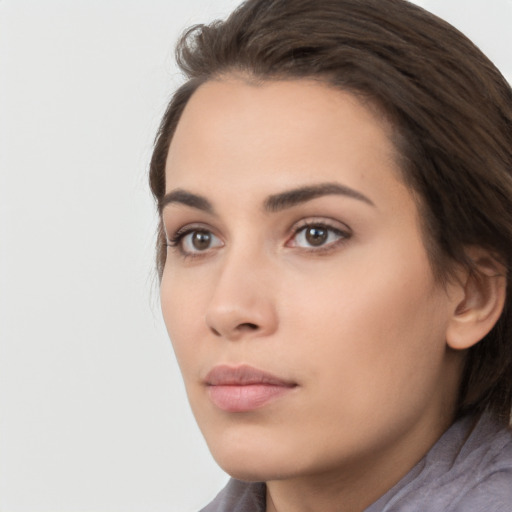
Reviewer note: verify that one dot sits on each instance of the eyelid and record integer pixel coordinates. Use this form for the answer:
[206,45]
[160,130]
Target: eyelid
[187,228]
[342,230]
[327,223]
[175,241]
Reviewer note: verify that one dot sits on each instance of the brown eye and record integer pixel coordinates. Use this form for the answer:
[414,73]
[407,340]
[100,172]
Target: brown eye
[201,240]
[195,241]
[316,236]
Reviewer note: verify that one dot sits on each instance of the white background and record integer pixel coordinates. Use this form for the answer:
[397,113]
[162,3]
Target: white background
[93,415]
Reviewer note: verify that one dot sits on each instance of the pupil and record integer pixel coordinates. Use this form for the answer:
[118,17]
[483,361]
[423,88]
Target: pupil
[316,236]
[201,240]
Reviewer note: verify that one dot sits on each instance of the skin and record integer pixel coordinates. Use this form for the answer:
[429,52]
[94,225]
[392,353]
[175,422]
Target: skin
[359,323]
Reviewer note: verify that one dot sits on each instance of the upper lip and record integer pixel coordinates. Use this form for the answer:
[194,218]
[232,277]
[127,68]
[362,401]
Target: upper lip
[243,375]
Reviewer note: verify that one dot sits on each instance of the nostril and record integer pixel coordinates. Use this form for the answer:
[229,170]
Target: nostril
[243,327]
[247,327]
[217,333]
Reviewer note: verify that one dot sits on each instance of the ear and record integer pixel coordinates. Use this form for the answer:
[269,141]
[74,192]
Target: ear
[484,292]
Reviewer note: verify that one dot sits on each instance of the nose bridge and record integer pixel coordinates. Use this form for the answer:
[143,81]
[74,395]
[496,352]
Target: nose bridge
[242,302]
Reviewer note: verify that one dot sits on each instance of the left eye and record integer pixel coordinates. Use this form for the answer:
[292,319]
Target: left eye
[317,235]
[197,241]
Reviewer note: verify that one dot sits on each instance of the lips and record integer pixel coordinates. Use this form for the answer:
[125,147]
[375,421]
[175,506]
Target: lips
[244,388]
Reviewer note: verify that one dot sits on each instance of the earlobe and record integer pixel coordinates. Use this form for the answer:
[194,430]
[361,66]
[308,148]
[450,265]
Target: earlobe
[483,300]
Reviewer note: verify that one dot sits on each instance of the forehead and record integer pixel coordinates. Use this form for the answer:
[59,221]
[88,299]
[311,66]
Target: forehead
[272,135]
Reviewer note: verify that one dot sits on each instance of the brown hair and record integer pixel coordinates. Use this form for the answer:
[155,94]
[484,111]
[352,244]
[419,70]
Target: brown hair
[450,107]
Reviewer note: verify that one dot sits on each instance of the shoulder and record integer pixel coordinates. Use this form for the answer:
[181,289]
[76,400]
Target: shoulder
[491,494]
[489,480]
[239,496]
[480,477]
[468,470]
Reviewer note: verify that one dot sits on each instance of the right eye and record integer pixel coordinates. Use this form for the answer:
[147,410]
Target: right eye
[195,241]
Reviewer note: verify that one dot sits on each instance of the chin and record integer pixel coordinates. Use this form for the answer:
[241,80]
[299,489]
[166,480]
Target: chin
[253,458]
[246,464]
[257,470]
[264,458]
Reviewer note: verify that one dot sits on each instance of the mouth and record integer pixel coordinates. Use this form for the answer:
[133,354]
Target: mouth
[244,388]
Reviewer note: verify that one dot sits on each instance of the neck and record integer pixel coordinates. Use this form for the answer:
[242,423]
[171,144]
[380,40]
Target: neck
[354,487]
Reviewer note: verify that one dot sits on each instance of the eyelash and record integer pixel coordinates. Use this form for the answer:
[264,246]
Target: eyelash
[343,233]
[176,241]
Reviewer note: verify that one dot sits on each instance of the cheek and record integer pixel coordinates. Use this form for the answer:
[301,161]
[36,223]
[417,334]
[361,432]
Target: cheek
[183,313]
[372,326]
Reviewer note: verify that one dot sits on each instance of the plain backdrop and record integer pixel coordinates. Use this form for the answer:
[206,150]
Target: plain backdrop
[93,415]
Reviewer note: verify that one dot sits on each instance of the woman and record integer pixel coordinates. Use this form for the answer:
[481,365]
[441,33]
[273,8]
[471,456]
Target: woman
[334,183]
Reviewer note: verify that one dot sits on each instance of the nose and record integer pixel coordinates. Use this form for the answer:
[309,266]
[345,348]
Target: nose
[242,305]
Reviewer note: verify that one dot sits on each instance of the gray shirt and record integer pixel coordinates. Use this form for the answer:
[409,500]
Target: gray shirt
[467,470]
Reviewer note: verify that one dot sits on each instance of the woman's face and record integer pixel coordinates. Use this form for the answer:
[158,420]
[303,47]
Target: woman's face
[297,291]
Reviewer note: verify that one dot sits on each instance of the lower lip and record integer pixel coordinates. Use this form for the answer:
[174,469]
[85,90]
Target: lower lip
[245,398]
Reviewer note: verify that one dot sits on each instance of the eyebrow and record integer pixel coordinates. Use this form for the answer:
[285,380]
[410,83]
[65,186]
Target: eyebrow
[290,198]
[273,203]
[181,196]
